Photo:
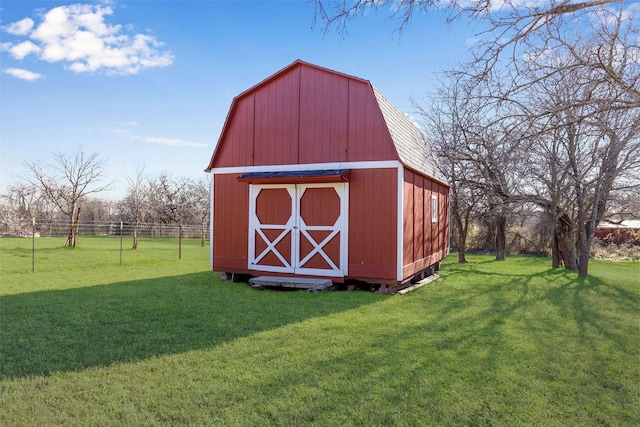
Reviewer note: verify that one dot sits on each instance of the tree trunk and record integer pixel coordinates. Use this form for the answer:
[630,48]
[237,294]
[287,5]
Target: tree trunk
[462,259]
[564,243]
[69,242]
[73,228]
[135,238]
[583,261]
[584,244]
[461,238]
[556,260]
[501,237]
[75,234]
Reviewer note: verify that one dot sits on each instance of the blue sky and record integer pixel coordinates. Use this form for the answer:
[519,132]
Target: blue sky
[150,82]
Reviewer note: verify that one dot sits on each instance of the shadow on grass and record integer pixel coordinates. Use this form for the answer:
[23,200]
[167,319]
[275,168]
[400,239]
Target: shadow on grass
[548,297]
[546,348]
[540,343]
[52,331]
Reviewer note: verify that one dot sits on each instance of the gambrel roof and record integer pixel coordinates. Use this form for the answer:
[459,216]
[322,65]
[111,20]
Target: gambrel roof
[411,146]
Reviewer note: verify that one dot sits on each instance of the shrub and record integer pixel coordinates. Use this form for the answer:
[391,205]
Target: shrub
[606,249]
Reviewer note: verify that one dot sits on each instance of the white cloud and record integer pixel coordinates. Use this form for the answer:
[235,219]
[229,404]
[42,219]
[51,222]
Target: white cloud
[173,142]
[23,74]
[20,50]
[78,36]
[19,28]
[121,132]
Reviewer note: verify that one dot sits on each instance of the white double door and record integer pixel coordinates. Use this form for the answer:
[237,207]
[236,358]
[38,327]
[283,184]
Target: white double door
[299,228]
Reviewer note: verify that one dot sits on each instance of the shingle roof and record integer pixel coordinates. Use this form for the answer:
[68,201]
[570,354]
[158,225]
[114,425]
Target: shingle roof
[414,149]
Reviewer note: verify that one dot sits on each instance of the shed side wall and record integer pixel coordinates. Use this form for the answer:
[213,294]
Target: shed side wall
[425,242]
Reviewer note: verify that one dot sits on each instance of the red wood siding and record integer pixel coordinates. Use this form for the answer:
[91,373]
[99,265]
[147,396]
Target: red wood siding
[369,138]
[324,108]
[443,206]
[237,146]
[425,242]
[276,121]
[373,196]
[409,206]
[304,115]
[230,223]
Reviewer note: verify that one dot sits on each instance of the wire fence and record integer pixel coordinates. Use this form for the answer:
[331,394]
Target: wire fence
[101,243]
[60,228]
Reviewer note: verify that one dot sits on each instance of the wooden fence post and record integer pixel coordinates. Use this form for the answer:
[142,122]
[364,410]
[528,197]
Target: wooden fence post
[120,242]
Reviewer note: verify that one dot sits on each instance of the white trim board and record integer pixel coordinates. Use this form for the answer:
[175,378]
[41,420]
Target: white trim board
[384,164]
[400,225]
[211,211]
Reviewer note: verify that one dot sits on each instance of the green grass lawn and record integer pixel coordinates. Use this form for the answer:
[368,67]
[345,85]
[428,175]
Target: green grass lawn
[161,341]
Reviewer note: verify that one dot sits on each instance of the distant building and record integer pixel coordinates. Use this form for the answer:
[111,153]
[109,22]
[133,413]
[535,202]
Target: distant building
[623,232]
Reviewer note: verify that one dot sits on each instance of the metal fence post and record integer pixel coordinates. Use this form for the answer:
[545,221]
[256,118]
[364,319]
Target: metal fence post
[180,241]
[33,244]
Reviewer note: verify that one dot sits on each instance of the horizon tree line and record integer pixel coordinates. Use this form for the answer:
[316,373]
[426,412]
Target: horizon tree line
[66,191]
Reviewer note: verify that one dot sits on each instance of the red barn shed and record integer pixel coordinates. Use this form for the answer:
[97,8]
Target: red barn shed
[317,174]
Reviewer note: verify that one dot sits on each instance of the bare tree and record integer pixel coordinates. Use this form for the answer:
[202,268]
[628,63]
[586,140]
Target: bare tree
[339,12]
[136,205]
[169,202]
[587,149]
[578,88]
[65,183]
[498,156]
[480,144]
[23,197]
[164,200]
[530,42]
[98,215]
[513,28]
[446,118]
[198,199]
[19,208]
